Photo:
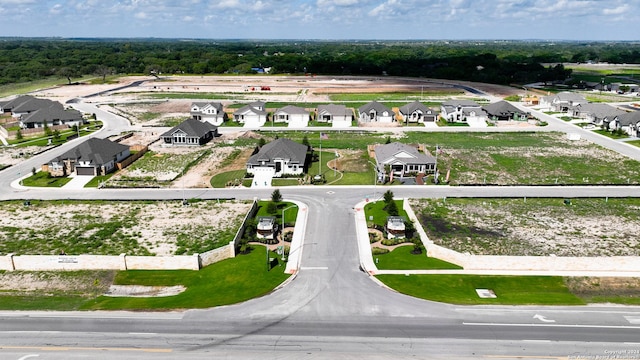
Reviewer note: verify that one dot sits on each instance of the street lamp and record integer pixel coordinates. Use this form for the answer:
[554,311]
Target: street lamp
[375,178]
[283,210]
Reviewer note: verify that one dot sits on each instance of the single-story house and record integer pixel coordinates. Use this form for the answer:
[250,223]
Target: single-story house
[403,159]
[51,116]
[598,114]
[503,110]
[291,114]
[253,115]
[460,110]
[211,112]
[376,112]
[395,227]
[26,104]
[266,227]
[335,114]
[417,112]
[190,132]
[628,122]
[92,157]
[280,157]
[562,101]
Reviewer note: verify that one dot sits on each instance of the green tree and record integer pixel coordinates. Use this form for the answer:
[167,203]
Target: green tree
[392,209]
[305,141]
[272,207]
[19,135]
[276,196]
[261,142]
[388,196]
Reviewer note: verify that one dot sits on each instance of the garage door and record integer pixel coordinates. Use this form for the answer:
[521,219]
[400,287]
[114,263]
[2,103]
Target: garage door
[85,171]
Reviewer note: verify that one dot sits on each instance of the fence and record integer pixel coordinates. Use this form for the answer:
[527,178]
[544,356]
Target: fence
[12,262]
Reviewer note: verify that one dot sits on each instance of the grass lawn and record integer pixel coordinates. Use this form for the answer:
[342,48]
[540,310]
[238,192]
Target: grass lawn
[26,87]
[401,258]
[610,134]
[43,179]
[221,180]
[460,289]
[96,180]
[226,282]
[376,209]
[634,143]
[290,215]
[285,182]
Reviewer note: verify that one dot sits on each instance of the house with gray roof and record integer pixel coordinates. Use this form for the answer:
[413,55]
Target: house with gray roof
[598,114]
[26,104]
[402,159]
[417,112]
[92,157]
[562,101]
[279,157]
[293,115]
[211,112]
[375,112]
[335,114]
[252,115]
[503,110]
[51,116]
[190,132]
[628,122]
[460,110]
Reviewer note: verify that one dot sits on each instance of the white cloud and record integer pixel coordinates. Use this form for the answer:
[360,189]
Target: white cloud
[617,11]
[141,15]
[56,9]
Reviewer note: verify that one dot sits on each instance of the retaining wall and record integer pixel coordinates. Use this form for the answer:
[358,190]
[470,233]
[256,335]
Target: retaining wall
[524,263]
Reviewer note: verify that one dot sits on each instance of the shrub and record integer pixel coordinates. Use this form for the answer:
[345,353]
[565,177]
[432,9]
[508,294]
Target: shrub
[379,251]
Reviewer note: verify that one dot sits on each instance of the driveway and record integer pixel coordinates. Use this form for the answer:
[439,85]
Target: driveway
[262,178]
[77,182]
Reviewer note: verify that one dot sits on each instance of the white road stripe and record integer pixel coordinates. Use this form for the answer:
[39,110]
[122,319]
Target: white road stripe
[553,325]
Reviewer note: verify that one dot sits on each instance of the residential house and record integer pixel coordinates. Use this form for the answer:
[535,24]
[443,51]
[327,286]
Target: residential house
[190,132]
[280,157]
[598,114]
[628,122]
[376,112]
[92,157]
[252,115]
[295,116]
[417,112]
[395,227]
[562,101]
[266,227]
[461,110]
[51,116]
[26,104]
[503,110]
[211,112]
[336,115]
[403,160]
[621,88]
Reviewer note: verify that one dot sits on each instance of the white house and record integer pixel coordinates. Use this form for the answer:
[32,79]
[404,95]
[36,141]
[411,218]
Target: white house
[376,112]
[280,157]
[295,116]
[461,111]
[211,112]
[417,112]
[339,116]
[252,115]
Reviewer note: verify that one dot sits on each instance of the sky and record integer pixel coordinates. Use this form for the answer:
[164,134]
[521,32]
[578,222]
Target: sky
[324,19]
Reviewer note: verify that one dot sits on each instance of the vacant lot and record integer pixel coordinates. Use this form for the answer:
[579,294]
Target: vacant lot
[134,228]
[585,227]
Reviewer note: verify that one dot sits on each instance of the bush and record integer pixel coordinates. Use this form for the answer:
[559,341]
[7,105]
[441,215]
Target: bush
[379,251]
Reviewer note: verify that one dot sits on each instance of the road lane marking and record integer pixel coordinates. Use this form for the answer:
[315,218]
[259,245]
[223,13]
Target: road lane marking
[68,348]
[633,319]
[553,325]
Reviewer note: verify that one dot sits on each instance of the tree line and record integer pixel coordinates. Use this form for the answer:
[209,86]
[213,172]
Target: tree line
[500,62]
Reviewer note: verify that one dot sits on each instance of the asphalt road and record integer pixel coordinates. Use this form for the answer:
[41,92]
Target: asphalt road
[331,309]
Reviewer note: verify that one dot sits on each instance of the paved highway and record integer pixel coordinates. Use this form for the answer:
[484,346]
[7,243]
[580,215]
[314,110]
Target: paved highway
[331,309]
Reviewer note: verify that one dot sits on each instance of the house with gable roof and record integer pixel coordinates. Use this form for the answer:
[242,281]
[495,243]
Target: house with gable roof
[211,112]
[417,112]
[460,110]
[376,112]
[403,159]
[562,101]
[503,110]
[335,114]
[598,114]
[190,132]
[280,157]
[628,122]
[251,115]
[295,116]
[51,116]
[92,157]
